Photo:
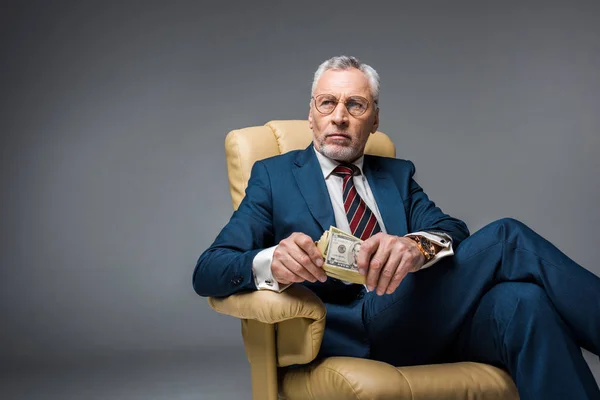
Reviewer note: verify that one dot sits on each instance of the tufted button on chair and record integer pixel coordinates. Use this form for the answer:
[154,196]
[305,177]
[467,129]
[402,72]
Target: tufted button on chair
[283,329]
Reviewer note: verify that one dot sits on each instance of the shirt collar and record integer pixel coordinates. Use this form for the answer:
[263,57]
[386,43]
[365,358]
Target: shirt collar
[328,165]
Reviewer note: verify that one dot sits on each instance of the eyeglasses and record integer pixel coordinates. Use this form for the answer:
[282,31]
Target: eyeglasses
[326,103]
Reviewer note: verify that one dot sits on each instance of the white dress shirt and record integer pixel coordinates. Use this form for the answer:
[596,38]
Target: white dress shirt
[261,265]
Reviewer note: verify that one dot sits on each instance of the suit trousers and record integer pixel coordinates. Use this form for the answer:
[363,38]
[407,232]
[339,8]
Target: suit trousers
[509,298]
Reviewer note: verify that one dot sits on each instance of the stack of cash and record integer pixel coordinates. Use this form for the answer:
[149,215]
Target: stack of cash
[340,251]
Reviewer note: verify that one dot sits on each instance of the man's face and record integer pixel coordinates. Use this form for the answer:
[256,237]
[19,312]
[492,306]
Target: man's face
[340,135]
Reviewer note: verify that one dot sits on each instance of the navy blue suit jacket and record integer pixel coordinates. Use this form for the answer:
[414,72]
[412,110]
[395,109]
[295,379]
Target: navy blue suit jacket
[287,194]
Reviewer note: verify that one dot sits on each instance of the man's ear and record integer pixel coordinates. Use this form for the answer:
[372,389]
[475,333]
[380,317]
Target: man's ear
[310,118]
[375,121]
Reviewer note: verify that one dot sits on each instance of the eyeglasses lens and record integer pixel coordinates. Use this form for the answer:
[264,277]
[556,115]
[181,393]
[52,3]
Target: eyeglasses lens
[356,105]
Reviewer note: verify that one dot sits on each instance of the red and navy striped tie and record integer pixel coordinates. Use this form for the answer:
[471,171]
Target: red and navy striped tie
[363,223]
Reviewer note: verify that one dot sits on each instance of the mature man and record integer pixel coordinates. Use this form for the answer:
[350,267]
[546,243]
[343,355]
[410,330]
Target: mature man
[503,296]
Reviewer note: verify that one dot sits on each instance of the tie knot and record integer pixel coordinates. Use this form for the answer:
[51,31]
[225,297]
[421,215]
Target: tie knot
[345,170]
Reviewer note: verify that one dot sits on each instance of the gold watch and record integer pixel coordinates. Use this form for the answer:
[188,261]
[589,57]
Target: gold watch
[425,246]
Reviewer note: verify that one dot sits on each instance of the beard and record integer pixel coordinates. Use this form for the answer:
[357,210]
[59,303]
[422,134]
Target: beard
[338,152]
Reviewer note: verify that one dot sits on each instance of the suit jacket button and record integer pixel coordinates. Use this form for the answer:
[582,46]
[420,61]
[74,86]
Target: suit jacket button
[236,281]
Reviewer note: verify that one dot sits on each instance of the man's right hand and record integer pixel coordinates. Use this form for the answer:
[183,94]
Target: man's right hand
[297,259]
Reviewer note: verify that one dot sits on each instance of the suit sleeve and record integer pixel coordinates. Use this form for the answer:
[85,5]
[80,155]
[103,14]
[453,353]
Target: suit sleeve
[226,266]
[424,215]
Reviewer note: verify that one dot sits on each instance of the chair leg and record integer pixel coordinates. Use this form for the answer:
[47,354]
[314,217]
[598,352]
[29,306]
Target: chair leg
[259,341]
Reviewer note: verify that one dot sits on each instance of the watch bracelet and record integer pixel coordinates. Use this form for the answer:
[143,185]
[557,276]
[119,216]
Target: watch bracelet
[425,253]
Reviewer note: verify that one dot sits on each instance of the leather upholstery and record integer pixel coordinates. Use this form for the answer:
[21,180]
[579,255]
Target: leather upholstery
[344,378]
[298,313]
[281,329]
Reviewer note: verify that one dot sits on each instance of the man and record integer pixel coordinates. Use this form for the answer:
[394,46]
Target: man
[503,296]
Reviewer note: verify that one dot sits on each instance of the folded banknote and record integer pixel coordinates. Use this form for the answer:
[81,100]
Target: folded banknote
[340,251]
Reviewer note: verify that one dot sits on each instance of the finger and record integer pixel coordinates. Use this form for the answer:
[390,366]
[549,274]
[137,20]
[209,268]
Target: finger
[310,269]
[297,268]
[389,270]
[403,269]
[310,256]
[367,249]
[376,264]
[396,281]
[411,262]
[309,247]
[282,274]
[284,253]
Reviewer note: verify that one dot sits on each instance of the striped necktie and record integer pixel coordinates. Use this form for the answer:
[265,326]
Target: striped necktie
[363,223]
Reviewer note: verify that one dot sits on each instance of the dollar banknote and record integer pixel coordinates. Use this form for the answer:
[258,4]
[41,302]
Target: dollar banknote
[340,251]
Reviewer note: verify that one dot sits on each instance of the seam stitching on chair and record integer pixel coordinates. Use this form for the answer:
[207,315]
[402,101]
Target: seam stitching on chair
[243,315]
[249,314]
[312,338]
[274,134]
[263,320]
[412,395]
[344,378]
[239,157]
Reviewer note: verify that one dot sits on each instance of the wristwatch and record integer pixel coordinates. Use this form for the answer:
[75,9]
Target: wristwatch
[425,246]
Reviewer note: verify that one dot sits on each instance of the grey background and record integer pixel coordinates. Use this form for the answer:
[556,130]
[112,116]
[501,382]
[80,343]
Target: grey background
[113,116]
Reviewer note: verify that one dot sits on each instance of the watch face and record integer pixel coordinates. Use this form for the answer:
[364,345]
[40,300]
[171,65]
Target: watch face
[426,243]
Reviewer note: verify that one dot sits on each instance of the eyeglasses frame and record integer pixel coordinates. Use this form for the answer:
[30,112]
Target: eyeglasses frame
[314,99]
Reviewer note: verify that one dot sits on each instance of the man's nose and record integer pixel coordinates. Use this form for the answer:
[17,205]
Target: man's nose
[340,114]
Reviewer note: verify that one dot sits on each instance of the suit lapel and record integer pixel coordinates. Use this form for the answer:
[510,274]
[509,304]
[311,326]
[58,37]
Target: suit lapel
[309,178]
[387,197]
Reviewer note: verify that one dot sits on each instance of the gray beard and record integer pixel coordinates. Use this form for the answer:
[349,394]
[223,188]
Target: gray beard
[346,154]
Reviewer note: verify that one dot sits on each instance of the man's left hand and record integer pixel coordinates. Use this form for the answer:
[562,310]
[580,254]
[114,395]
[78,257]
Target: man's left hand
[386,260]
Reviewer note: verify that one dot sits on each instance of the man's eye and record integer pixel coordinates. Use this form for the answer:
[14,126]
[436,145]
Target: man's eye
[354,105]
[327,103]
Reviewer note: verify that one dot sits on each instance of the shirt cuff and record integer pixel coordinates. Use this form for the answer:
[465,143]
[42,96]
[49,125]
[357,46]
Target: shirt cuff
[261,269]
[441,239]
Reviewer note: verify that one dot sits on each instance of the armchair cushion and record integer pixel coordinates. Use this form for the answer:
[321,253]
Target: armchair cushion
[345,378]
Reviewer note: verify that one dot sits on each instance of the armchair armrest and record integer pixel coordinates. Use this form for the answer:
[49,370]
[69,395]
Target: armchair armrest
[271,307]
[298,313]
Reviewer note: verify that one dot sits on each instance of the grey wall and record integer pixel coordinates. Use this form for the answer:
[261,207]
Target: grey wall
[113,116]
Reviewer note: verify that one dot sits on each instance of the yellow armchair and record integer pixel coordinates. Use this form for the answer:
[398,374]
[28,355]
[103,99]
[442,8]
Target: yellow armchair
[283,329]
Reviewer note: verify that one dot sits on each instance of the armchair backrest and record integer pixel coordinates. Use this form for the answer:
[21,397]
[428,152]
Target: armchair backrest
[243,147]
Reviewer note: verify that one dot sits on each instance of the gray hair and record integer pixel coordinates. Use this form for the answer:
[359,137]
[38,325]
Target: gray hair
[345,63]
